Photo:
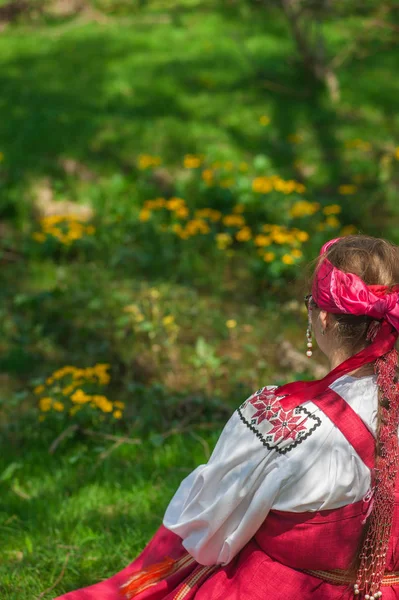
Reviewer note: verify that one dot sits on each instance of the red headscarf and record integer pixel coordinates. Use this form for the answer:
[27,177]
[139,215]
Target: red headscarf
[338,292]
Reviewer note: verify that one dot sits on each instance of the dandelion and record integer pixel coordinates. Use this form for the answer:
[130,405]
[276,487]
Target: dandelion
[269,256]
[168,320]
[348,230]
[302,236]
[144,215]
[58,406]
[332,209]
[231,323]
[207,176]
[39,390]
[233,220]
[117,414]
[332,221]
[79,397]
[262,240]
[223,240]
[146,160]
[262,185]
[182,212]
[175,203]
[191,161]
[244,234]
[288,259]
[303,208]
[347,190]
[296,253]
[45,404]
[264,120]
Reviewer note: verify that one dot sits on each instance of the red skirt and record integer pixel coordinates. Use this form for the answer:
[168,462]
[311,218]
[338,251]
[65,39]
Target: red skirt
[251,575]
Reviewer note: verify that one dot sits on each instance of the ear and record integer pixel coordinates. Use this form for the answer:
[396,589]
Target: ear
[325,319]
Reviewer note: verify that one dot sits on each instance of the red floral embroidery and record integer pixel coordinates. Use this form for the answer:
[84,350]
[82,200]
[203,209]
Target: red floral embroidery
[267,406]
[278,429]
[286,426]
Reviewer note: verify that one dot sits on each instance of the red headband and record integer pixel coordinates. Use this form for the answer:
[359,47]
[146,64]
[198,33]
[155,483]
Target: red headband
[338,292]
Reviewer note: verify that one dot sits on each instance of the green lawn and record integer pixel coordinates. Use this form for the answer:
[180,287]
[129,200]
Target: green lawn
[97,511]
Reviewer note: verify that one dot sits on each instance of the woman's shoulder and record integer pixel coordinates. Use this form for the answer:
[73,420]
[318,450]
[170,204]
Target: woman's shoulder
[276,428]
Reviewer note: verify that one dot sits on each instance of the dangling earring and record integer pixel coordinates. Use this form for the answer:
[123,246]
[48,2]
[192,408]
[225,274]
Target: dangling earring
[309,332]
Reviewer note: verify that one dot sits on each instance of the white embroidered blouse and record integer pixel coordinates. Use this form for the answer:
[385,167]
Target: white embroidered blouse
[266,457]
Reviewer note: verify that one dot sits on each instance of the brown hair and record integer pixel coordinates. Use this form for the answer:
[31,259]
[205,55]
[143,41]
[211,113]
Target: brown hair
[376,262]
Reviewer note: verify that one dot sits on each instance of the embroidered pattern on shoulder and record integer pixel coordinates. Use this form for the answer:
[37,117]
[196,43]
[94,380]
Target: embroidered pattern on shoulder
[278,429]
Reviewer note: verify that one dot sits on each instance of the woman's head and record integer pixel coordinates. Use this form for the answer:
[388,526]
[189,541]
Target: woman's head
[376,262]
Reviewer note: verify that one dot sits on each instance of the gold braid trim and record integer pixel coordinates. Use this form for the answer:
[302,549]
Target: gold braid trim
[340,577]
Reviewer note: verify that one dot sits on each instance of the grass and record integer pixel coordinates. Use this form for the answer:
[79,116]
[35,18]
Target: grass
[98,512]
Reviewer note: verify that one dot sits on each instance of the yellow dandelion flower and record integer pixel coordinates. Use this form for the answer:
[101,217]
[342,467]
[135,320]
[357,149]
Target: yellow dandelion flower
[303,208]
[207,175]
[117,414]
[262,185]
[45,404]
[302,236]
[58,406]
[332,209]
[262,240]
[269,256]
[231,323]
[39,389]
[347,190]
[244,234]
[332,221]
[145,215]
[300,188]
[296,253]
[264,120]
[223,240]
[146,160]
[233,220]
[80,397]
[168,320]
[348,230]
[175,203]
[288,259]
[191,161]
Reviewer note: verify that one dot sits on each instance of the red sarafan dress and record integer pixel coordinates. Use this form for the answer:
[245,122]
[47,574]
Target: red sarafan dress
[277,512]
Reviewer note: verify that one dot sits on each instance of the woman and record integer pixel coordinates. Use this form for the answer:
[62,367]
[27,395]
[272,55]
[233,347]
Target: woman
[298,497]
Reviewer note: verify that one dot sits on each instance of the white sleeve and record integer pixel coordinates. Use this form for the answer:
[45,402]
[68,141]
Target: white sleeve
[219,507]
